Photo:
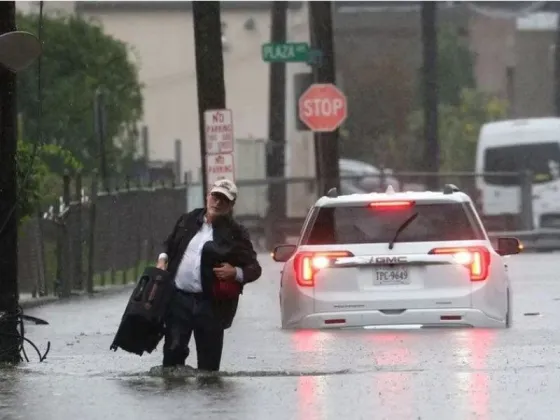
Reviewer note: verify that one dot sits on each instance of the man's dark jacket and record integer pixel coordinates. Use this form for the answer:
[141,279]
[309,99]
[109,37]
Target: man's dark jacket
[142,327]
[231,244]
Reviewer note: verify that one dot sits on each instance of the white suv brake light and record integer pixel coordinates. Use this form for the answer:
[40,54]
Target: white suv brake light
[307,264]
[476,259]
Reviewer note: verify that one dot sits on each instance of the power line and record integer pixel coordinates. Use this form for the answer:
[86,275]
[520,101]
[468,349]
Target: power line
[12,332]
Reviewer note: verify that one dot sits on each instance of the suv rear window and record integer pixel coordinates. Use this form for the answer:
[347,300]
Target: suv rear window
[362,224]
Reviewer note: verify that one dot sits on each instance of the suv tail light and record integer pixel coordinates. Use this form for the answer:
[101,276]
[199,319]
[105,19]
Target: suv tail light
[391,205]
[307,264]
[477,259]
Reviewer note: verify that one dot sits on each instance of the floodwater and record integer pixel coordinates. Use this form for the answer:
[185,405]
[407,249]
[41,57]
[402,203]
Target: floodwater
[272,374]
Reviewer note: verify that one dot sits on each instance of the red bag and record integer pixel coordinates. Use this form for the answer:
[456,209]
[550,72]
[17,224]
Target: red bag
[226,289]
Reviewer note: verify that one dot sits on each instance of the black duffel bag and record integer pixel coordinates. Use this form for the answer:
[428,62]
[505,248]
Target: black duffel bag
[142,324]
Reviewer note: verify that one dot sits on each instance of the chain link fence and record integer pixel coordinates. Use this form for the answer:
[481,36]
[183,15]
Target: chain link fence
[95,239]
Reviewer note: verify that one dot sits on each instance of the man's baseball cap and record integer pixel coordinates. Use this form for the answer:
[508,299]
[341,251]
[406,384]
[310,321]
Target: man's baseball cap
[226,188]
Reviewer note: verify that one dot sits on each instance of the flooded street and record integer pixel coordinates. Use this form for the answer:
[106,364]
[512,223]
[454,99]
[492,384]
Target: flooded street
[271,374]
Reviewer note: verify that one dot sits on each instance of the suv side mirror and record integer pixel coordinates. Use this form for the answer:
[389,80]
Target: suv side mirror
[509,246]
[282,253]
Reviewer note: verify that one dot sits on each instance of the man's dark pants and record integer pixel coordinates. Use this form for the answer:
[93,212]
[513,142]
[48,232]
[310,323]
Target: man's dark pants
[193,313]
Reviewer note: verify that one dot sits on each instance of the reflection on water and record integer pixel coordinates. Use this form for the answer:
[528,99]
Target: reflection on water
[480,342]
[219,389]
[9,378]
[473,349]
[308,399]
[391,350]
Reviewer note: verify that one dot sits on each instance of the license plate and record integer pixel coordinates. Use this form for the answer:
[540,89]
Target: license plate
[390,276]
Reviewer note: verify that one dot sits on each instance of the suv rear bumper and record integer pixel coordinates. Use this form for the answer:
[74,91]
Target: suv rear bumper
[426,317]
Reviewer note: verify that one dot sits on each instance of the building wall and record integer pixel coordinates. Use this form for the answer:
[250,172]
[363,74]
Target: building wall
[534,64]
[164,47]
[534,84]
[492,58]
[379,53]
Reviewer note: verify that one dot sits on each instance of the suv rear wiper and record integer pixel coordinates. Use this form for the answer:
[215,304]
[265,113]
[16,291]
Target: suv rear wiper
[401,228]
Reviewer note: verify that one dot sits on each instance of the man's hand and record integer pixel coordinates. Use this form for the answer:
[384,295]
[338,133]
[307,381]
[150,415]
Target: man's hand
[225,272]
[162,264]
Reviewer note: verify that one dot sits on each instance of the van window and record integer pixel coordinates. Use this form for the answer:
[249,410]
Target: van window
[543,159]
[364,225]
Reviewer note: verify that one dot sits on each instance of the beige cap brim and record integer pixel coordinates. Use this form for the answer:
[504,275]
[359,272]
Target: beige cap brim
[223,191]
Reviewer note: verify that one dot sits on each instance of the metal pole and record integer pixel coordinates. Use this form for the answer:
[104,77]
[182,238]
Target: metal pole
[526,200]
[178,161]
[209,69]
[557,69]
[9,292]
[430,87]
[275,156]
[326,144]
[100,131]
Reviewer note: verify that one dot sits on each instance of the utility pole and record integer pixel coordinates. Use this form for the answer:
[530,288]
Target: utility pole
[275,153]
[17,51]
[557,65]
[430,90]
[100,121]
[209,69]
[326,144]
[9,293]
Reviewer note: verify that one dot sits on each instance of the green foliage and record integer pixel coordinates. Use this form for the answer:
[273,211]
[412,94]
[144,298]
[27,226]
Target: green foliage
[455,67]
[38,185]
[459,126]
[29,181]
[78,58]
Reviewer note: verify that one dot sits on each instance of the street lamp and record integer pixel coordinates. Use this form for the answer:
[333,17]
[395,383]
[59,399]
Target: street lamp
[18,49]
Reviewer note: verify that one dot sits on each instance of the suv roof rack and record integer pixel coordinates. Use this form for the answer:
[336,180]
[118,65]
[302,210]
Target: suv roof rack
[333,193]
[450,189]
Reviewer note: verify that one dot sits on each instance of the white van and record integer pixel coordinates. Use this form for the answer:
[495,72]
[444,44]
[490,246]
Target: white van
[514,146]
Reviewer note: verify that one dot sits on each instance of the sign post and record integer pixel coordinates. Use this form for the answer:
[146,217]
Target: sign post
[218,125]
[323,108]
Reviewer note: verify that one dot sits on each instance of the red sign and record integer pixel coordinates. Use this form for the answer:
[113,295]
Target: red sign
[322,107]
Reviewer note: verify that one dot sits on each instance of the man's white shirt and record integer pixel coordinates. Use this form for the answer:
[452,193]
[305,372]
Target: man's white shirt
[188,274]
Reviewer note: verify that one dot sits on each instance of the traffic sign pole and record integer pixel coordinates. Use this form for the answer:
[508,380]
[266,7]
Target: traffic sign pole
[9,294]
[275,156]
[326,143]
[209,70]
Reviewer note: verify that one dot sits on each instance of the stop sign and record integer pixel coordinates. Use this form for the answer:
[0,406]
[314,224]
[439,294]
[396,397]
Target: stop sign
[322,107]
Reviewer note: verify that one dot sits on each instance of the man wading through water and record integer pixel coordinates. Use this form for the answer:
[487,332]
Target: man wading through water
[211,258]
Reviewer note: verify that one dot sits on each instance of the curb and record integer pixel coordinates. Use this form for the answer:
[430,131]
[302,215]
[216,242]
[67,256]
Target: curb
[29,303]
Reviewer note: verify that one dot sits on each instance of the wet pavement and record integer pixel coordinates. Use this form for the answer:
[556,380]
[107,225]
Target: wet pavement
[271,374]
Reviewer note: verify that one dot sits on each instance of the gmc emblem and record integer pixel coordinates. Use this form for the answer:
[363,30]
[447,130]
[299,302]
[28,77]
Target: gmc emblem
[390,260]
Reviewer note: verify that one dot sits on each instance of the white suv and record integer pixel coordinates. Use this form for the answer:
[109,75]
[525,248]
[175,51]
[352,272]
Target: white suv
[405,258]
